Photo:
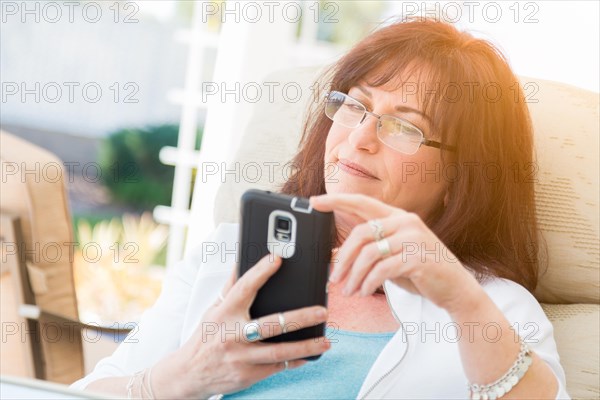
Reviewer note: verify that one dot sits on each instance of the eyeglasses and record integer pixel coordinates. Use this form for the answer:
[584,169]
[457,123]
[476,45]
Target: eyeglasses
[392,131]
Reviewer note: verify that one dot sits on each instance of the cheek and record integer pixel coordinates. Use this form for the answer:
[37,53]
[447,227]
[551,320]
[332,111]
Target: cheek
[413,182]
[335,136]
[420,169]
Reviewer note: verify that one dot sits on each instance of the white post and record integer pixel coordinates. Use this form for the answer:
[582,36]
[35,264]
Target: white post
[187,137]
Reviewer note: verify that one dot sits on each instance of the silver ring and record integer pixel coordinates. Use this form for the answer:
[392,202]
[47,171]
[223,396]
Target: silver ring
[384,248]
[251,331]
[286,365]
[377,229]
[282,322]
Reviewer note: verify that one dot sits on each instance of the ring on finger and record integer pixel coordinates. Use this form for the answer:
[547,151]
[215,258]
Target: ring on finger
[282,322]
[251,331]
[286,365]
[383,246]
[221,296]
[377,229]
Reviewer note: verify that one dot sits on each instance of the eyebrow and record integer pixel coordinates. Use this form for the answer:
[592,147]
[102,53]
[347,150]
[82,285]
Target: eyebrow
[404,109]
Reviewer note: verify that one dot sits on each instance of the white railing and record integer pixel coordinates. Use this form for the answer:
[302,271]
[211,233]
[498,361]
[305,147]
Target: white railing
[247,51]
[184,158]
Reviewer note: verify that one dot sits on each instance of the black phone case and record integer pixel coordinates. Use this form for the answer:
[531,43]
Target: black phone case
[301,279]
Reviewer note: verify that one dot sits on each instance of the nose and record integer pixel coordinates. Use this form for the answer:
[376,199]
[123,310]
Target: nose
[364,136]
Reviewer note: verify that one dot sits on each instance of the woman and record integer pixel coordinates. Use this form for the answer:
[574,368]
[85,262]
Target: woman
[430,140]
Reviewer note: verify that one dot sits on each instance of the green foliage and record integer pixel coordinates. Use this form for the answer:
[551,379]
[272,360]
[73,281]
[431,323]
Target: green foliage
[347,22]
[131,169]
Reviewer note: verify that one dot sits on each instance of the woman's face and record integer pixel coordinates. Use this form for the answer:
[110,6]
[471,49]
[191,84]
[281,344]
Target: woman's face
[357,162]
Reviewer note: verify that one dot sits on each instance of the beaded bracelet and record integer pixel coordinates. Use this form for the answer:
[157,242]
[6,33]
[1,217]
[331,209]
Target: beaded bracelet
[129,388]
[500,387]
[148,388]
[145,385]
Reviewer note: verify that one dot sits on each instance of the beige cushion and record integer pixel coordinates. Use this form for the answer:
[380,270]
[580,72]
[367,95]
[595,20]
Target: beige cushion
[576,330]
[270,141]
[566,125]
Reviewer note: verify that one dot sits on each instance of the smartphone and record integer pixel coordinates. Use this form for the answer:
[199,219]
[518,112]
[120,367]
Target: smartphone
[288,227]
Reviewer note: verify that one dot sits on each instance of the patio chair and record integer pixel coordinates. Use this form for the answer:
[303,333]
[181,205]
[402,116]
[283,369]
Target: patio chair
[40,322]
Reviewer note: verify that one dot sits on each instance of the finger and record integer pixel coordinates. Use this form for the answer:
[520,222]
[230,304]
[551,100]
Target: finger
[280,366]
[359,236]
[292,321]
[227,287]
[394,268]
[397,266]
[369,255]
[229,284]
[263,371]
[244,290]
[280,352]
[360,205]
[384,269]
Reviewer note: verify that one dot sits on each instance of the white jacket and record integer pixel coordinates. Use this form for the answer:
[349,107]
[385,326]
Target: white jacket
[421,360]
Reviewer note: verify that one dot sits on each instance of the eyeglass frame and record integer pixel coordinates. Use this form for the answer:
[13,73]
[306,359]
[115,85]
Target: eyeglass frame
[424,141]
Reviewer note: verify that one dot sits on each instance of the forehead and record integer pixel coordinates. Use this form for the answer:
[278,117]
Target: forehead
[411,85]
[397,95]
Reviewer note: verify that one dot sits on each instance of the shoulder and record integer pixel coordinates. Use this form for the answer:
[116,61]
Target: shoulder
[506,290]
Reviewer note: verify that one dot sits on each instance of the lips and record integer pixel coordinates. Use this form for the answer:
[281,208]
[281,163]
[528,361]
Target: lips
[355,169]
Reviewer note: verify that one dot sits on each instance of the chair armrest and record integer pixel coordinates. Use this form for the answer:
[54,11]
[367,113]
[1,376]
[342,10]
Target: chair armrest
[35,313]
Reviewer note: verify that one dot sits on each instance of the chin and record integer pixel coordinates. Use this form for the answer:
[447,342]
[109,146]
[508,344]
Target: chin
[345,186]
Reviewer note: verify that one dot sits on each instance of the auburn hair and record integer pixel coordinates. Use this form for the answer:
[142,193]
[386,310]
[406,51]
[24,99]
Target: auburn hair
[476,104]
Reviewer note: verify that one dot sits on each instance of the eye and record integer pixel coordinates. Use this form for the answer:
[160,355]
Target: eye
[354,107]
[409,130]
[410,133]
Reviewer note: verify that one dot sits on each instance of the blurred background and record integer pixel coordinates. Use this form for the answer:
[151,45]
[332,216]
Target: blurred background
[133,96]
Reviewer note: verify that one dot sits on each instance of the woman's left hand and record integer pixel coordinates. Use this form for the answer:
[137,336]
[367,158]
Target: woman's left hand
[417,261]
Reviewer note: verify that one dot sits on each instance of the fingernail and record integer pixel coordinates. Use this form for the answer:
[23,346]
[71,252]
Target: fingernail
[334,278]
[321,312]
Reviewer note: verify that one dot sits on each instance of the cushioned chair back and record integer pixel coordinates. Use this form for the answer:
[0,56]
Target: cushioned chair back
[566,133]
[566,123]
[268,144]
[33,189]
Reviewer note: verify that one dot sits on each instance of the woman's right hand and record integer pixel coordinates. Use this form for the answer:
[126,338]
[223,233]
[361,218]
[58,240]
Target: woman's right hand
[218,359]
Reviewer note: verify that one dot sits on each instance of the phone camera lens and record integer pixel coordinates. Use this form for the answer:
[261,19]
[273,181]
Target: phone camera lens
[283,224]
